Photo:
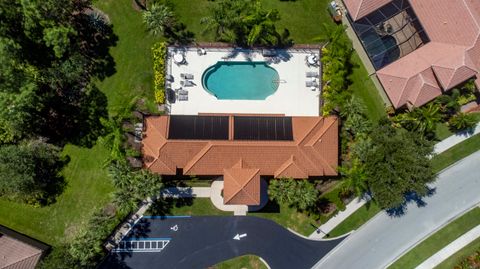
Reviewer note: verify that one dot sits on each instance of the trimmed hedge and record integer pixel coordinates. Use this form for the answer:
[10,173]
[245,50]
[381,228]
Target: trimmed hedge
[159,51]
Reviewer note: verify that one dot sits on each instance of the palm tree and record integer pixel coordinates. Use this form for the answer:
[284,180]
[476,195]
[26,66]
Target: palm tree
[462,121]
[356,177]
[159,18]
[449,103]
[427,118]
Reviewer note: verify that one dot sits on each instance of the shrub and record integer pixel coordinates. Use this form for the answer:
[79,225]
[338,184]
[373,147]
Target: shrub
[462,121]
[159,51]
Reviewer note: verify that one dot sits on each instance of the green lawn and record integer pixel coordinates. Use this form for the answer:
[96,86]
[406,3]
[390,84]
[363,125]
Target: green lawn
[242,262]
[133,59]
[88,184]
[438,240]
[355,220]
[287,217]
[460,255]
[442,131]
[88,188]
[190,207]
[303,18]
[363,88]
[456,153]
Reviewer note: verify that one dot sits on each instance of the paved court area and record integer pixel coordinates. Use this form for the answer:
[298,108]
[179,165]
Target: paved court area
[199,242]
[292,98]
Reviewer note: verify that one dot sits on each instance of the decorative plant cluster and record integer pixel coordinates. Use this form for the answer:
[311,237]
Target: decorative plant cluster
[336,69]
[159,51]
[446,108]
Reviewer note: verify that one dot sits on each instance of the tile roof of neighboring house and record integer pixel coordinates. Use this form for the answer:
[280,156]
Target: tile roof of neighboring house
[313,152]
[452,55]
[361,8]
[18,251]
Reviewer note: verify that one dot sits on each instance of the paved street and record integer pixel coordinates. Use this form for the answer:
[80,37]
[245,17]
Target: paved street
[199,242]
[384,238]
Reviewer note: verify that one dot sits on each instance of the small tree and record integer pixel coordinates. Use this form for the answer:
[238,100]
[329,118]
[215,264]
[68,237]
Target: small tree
[396,164]
[29,172]
[158,19]
[462,121]
[133,186]
[295,193]
[245,23]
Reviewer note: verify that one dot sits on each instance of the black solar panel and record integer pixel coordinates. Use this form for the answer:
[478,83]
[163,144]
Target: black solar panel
[198,127]
[262,128]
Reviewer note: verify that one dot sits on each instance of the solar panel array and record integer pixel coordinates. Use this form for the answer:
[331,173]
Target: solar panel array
[217,128]
[262,128]
[198,127]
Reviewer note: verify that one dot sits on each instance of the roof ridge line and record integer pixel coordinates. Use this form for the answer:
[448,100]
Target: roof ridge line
[233,195]
[300,141]
[246,192]
[323,130]
[197,157]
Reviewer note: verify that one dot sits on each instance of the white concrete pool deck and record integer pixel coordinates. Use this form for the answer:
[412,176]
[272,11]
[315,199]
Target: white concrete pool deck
[292,97]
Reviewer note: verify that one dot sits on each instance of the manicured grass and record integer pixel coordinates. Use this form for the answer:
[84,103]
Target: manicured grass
[191,207]
[363,88]
[438,240]
[242,262]
[460,255]
[287,217]
[132,55]
[303,19]
[355,220]
[89,187]
[442,131]
[456,153]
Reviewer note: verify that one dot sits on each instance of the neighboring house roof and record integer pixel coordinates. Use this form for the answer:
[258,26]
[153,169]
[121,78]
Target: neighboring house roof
[361,8]
[18,251]
[312,152]
[451,57]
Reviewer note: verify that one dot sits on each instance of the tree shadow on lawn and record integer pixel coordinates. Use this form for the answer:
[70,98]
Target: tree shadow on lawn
[410,197]
[74,105]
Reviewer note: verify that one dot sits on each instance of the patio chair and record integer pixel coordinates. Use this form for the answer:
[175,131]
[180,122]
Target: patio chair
[183,97]
[169,77]
[311,84]
[312,74]
[182,91]
[186,76]
[187,83]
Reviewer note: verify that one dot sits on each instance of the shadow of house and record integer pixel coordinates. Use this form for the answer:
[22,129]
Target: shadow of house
[20,251]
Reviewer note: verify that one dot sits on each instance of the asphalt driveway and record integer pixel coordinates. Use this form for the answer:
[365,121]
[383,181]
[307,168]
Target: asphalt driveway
[199,242]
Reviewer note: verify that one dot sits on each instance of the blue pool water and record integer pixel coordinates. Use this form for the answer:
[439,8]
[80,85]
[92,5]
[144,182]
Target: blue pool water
[240,80]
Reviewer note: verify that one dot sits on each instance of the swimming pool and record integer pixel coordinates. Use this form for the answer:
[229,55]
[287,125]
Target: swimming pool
[240,80]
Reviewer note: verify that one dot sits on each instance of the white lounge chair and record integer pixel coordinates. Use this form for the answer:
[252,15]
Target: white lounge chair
[187,83]
[312,74]
[186,76]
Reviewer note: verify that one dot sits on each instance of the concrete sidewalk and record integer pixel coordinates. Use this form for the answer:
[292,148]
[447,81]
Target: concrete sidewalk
[455,139]
[451,249]
[338,218]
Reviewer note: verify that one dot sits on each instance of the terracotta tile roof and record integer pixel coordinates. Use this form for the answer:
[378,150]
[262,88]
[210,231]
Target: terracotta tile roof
[313,151]
[453,53]
[361,8]
[16,254]
[241,185]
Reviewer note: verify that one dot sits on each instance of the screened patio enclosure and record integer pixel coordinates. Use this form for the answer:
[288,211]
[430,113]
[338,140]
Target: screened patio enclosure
[390,32]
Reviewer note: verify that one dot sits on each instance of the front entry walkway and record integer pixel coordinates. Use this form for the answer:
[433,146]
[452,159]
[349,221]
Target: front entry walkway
[238,210]
[215,194]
